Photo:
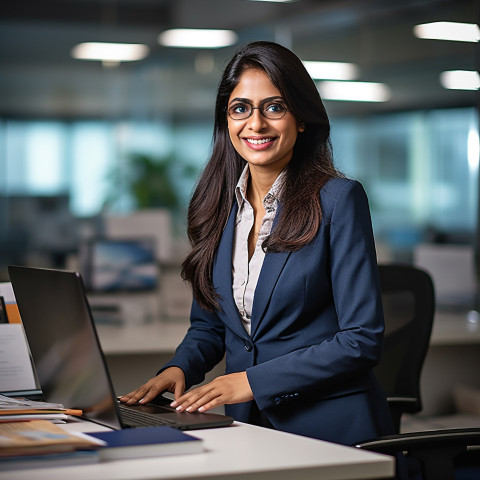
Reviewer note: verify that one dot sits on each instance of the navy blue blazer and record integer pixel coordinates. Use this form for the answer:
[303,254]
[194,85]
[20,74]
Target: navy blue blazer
[317,328]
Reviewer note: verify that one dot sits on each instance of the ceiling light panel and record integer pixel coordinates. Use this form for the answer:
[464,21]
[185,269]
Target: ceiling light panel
[354,91]
[460,80]
[331,70]
[275,1]
[110,52]
[453,31]
[197,38]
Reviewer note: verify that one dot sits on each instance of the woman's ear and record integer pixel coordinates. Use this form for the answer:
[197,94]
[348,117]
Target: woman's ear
[301,127]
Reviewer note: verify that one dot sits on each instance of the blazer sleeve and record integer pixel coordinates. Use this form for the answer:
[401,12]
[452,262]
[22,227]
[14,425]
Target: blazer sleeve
[337,363]
[202,348]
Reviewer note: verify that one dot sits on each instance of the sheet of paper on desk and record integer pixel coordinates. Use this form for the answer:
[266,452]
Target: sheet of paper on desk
[8,403]
[15,409]
[16,371]
[51,417]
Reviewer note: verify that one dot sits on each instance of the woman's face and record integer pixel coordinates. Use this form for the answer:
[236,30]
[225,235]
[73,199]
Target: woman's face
[260,141]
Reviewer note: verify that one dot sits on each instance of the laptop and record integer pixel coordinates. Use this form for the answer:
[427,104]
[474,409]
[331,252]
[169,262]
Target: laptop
[68,358]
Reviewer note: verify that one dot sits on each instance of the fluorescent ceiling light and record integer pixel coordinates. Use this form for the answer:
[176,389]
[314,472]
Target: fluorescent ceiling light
[275,1]
[197,38]
[460,80]
[354,91]
[110,52]
[331,70]
[454,31]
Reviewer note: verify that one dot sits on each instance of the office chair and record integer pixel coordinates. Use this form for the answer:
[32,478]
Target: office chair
[409,305]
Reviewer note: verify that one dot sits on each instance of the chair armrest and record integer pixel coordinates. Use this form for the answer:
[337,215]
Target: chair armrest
[406,404]
[435,439]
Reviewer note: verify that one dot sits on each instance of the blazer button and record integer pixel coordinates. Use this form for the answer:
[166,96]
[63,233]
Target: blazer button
[248,347]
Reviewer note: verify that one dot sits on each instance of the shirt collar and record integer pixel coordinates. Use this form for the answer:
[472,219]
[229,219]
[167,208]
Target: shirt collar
[272,196]
[241,188]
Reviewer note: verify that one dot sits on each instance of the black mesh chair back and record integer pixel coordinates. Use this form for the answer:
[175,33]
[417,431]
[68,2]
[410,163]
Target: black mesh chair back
[409,305]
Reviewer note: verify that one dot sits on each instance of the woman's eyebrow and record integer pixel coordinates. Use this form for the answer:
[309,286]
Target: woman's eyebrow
[239,99]
[247,100]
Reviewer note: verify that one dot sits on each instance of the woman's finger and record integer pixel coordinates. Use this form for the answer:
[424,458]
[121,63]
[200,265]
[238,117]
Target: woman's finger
[210,396]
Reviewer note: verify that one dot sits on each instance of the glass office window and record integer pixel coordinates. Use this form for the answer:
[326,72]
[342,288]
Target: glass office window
[193,145]
[454,169]
[34,157]
[92,157]
[419,169]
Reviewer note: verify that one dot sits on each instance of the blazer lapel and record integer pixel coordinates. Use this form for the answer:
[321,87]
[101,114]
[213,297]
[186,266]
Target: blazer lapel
[272,267]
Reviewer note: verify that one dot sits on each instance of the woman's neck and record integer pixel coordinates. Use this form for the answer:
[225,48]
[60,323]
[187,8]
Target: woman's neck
[259,184]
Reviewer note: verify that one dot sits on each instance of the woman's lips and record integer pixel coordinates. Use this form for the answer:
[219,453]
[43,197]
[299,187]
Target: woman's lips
[259,143]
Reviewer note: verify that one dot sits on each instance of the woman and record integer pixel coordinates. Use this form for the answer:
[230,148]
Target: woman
[283,267]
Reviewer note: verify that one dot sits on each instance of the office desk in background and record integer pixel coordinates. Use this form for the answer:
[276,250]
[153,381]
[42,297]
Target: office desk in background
[453,360]
[163,335]
[135,352]
[237,452]
[454,328]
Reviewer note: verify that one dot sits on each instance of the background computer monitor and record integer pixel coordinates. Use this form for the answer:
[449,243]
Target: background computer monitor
[120,265]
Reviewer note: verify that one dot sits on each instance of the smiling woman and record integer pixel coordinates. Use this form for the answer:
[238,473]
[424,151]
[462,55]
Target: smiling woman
[283,267]
[264,136]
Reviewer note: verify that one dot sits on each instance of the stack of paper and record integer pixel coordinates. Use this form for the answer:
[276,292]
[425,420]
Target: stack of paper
[23,409]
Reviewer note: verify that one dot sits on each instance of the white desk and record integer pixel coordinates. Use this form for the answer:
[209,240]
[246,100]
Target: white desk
[237,452]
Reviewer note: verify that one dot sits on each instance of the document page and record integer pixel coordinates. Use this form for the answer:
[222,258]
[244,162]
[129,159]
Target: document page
[16,372]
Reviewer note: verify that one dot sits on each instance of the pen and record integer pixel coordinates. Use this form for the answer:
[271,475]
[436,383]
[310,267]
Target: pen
[70,411]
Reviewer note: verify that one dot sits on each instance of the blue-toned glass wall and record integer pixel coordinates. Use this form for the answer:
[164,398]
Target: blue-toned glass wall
[420,169]
[81,158]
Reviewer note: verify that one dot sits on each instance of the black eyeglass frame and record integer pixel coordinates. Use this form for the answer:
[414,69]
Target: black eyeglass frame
[260,108]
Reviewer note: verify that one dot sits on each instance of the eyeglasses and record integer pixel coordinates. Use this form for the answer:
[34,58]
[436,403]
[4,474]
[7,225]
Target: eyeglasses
[269,109]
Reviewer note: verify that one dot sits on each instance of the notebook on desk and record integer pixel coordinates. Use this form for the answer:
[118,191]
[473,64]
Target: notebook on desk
[69,361]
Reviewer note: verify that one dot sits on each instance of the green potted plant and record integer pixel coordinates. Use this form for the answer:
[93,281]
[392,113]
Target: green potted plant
[151,182]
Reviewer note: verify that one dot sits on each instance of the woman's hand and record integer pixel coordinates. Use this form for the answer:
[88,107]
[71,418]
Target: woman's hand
[232,388]
[171,379]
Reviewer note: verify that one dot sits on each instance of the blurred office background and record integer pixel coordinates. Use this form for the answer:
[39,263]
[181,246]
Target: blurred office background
[98,158]
[82,141]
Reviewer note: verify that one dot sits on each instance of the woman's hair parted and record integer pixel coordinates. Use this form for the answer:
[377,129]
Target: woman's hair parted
[309,169]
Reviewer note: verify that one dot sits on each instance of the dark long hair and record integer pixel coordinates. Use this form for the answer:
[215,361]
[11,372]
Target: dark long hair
[309,169]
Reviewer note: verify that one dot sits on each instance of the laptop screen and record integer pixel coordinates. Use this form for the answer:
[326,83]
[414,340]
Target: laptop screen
[64,344]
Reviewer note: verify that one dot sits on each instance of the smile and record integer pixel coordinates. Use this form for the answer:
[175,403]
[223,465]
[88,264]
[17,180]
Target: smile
[258,142]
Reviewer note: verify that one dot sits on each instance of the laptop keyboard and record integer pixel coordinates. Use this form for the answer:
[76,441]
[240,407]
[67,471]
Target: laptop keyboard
[136,418]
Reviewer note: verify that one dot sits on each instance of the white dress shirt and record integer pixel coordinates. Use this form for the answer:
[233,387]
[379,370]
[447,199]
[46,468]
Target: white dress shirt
[245,273]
